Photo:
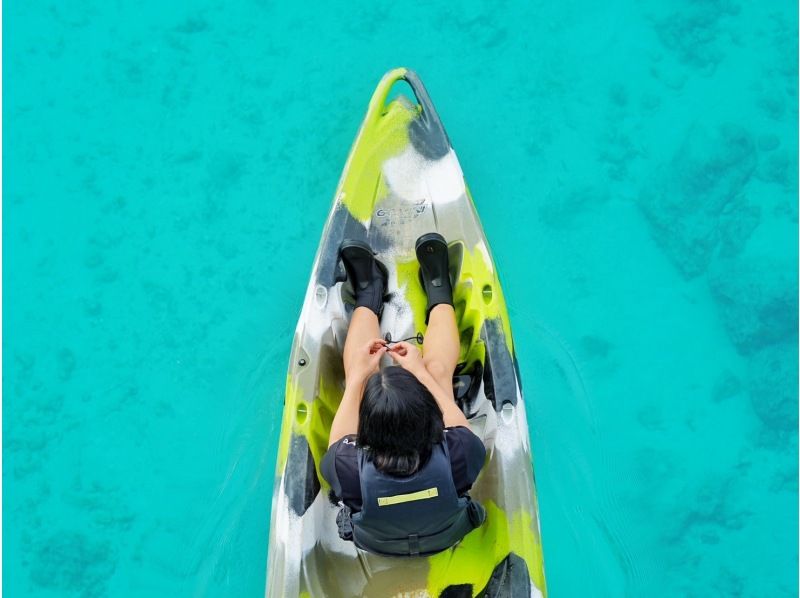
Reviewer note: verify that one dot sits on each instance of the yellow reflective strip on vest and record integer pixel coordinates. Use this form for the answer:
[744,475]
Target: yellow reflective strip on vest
[385,501]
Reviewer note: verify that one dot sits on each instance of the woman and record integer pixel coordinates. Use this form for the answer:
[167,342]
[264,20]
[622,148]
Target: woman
[401,456]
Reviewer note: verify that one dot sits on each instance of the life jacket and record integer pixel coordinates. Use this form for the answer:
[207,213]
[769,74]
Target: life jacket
[413,515]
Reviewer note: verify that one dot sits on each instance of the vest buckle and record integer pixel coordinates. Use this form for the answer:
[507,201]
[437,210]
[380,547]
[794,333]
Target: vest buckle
[413,545]
[345,523]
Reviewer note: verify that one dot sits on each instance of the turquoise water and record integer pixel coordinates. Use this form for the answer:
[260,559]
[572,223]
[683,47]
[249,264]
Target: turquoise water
[168,169]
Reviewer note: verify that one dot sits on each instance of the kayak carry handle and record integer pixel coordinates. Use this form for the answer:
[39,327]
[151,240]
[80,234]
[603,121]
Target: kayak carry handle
[426,130]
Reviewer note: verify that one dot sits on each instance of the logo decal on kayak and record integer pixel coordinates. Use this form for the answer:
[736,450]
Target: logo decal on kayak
[402,213]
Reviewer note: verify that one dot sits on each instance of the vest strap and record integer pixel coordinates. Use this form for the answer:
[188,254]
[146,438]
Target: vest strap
[413,545]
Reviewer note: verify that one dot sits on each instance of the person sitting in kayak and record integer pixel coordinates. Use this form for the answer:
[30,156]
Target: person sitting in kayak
[401,456]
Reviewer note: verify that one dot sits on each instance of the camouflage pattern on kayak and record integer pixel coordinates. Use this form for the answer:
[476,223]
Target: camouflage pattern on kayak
[402,179]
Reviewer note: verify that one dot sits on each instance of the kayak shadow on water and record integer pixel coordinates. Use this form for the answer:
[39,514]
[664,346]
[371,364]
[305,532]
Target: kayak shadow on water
[582,522]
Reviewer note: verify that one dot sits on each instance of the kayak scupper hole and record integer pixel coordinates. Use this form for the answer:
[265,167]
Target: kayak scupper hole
[302,413]
[321,296]
[487,294]
[507,413]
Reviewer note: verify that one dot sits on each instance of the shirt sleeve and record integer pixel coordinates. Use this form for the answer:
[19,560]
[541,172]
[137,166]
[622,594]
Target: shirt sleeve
[339,467]
[328,469]
[467,455]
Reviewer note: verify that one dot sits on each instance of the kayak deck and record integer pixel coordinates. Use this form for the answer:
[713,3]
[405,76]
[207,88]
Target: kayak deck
[402,179]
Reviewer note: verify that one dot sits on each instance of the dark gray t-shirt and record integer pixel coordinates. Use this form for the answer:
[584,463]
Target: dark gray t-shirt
[340,464]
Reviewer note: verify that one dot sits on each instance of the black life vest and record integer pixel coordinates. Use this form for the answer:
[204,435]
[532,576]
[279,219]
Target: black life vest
[414,515]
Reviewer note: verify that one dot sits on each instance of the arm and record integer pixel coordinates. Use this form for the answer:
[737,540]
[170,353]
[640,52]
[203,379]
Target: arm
[452,415]
[364,363]
[346,419]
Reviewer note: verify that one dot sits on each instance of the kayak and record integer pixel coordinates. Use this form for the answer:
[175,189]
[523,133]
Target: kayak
[402,179]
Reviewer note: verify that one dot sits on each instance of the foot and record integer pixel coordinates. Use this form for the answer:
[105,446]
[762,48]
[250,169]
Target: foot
[434,270]
[367,275]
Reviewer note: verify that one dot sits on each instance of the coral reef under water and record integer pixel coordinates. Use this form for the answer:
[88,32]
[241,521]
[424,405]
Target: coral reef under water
[634,166]
[71,562]
[696,206]
[757,299]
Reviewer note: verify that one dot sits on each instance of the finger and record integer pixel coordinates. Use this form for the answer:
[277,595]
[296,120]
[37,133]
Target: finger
[376,344]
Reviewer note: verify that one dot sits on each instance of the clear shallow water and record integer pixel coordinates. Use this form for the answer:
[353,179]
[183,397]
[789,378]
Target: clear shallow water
[167,173]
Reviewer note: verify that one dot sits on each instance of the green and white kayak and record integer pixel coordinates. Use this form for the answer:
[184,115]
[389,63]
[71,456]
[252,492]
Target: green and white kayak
[402,179]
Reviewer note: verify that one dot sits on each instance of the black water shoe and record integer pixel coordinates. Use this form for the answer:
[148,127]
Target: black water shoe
[434,270]
[368,276]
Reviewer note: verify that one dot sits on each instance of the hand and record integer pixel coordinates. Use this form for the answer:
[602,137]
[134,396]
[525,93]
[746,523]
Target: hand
[408,357]
[365,361]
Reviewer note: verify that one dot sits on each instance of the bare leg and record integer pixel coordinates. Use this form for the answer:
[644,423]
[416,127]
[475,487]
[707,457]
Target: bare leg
[363,328]
[441,348]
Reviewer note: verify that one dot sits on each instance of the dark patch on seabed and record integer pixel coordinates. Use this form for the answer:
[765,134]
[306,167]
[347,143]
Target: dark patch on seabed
[724,182]
[168,175]
[73,562]
[701,215]
[696,205]
[722,206]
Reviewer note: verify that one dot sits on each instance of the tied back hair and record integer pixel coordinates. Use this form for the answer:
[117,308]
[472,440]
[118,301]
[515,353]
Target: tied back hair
[398,421]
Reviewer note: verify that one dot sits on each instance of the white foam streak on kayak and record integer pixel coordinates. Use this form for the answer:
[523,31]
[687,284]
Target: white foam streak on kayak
[411,177]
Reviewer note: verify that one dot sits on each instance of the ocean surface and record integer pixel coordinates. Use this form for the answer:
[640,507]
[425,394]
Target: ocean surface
[168,168]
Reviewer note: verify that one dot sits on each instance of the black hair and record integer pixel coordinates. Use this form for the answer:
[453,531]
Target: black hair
[398,421]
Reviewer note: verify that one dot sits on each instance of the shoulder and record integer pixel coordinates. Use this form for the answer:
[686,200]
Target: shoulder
[345,444]
[467,455]
[341,451]
[461,437]
[339,467]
